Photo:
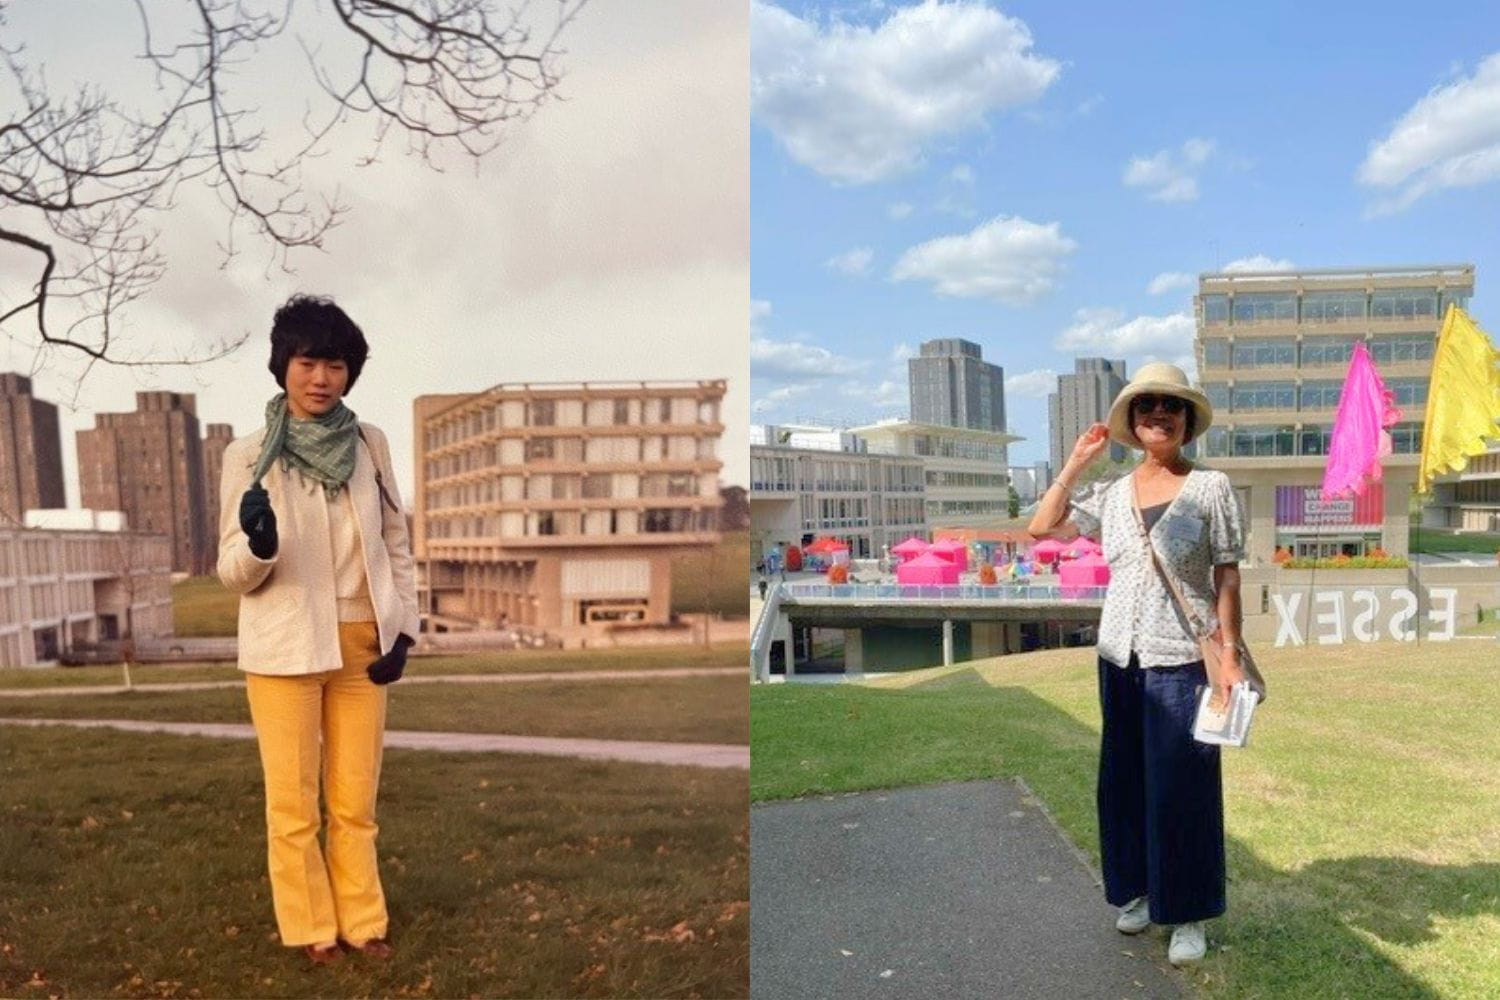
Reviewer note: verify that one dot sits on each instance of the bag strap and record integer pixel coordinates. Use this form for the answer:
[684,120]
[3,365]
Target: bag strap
[1199,631]
[379,482]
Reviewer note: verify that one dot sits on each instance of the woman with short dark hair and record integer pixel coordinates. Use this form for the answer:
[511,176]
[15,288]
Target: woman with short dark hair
[1161,804]
[313,539]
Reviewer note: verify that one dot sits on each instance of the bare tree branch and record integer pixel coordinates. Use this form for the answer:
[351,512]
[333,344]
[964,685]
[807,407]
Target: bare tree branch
[85,182]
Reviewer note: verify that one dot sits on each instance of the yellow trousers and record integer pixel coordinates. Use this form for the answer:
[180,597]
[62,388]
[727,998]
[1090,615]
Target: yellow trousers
[320,895]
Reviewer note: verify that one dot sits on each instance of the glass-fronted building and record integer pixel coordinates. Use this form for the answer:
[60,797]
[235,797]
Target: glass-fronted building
[1273,349]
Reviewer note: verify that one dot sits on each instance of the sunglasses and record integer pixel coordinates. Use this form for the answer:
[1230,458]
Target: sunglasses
[1149,401]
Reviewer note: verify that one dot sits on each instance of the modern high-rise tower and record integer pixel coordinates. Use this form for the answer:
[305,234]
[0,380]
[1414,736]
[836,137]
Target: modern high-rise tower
[31,474]
[1081,399]
[952,386]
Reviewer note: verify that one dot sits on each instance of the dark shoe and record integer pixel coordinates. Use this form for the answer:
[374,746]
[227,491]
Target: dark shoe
[323,956]
[378,948]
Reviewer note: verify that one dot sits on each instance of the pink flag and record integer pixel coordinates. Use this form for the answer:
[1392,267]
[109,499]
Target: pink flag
[1360,431]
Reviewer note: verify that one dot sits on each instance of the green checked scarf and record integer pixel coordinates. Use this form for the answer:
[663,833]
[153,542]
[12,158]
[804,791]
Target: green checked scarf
[322,449]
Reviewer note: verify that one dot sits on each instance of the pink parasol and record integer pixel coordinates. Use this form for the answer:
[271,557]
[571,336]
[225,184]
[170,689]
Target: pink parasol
[1361,435]
[1047,550]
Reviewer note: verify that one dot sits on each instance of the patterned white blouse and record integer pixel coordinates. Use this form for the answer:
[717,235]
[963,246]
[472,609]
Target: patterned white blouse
[1200,529]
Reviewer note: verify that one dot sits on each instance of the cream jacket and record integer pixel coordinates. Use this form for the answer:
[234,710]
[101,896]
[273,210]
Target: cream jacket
[288,605]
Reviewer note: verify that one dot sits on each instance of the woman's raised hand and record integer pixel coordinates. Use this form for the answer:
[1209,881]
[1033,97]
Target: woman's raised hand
[1090,445]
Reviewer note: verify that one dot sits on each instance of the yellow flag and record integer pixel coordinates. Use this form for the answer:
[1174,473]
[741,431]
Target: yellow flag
[1463,398]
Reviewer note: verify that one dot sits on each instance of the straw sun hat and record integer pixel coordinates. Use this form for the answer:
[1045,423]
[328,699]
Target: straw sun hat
[1164,380]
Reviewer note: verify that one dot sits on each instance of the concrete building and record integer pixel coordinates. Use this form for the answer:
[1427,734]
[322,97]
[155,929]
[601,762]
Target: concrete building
[86,582]
[1030,481]
[1081,399]
[149,464]
[1468,500]
[1273,349]
[216,438]
[560,506]
[31,474]
[952,386]
[963,469]
[807,482]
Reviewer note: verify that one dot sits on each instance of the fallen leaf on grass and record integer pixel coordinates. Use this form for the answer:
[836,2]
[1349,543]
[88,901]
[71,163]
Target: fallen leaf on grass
[471,856]
[90,823]
[231,931]
[732,910]
[680,933]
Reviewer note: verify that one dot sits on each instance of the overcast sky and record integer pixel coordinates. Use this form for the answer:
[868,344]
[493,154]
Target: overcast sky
[608,239]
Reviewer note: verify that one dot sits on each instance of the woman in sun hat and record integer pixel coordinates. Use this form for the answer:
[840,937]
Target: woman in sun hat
[313,539]
[1161,807]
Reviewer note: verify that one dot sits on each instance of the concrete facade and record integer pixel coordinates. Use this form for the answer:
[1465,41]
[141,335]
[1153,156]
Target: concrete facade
[1081,399]
[559,507]
[149,464]
[814,482]
[216,438]
[31,474]
[1272,351]
[965,471]
[952,385]
[60,589]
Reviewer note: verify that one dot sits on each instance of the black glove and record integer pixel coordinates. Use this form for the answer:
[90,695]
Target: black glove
[390,666]
[258,522]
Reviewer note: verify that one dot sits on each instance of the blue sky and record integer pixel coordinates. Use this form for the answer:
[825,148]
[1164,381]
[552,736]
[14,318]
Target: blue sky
[1048,179]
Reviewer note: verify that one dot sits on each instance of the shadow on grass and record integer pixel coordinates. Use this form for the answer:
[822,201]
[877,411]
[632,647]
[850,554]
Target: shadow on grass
[1288,935]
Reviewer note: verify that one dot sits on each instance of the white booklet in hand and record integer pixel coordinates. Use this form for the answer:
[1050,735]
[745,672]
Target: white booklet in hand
[1231,727]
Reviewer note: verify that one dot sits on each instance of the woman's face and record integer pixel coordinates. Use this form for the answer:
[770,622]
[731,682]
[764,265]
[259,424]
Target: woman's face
[315,385]
[1159,421]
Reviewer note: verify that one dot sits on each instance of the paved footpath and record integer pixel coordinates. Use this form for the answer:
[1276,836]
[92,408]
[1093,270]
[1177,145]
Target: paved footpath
[950,891]
[717,755]
[554,676]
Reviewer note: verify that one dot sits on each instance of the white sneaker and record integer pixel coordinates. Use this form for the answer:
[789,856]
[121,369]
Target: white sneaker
[1189,944]
[1135,916]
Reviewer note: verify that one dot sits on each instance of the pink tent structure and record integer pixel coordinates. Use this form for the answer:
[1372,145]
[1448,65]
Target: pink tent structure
[955,552]
[1089,571]
[909,549]
[1047,550]
[826,546]
[927,568]
[1080,547]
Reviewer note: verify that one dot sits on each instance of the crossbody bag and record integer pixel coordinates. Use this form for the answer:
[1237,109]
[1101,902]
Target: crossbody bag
[1210,643]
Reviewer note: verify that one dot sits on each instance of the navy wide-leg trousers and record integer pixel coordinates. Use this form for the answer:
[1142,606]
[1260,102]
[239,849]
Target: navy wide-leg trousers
[1161,802]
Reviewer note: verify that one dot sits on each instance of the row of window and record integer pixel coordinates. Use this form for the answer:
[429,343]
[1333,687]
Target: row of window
[1285,440]
[936,446]
[993,480]
[617,486]
[1477,491]
[574,413]
[591,523]
[613,450]
[948,508]
[785,474]
[1285,352]
[1330,307]
[1319,395]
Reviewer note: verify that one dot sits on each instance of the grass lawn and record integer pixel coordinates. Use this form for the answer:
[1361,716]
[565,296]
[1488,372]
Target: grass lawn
[515,661]
[1364,836]
[1445,540]
[674,709]
[201,606]
[134,866]
[714,580]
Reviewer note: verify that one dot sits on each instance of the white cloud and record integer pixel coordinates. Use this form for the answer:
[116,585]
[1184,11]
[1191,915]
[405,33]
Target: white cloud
[793,359]
[899,210]
[1259,262]
[901,353]
[1008,259]
[851,262]
[857,103]
[1033,384]
[1107,332]
[759,310]
[780,395]
[888,395]
[1170,280]
[962,174]
[1450,138]
[1169,175]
